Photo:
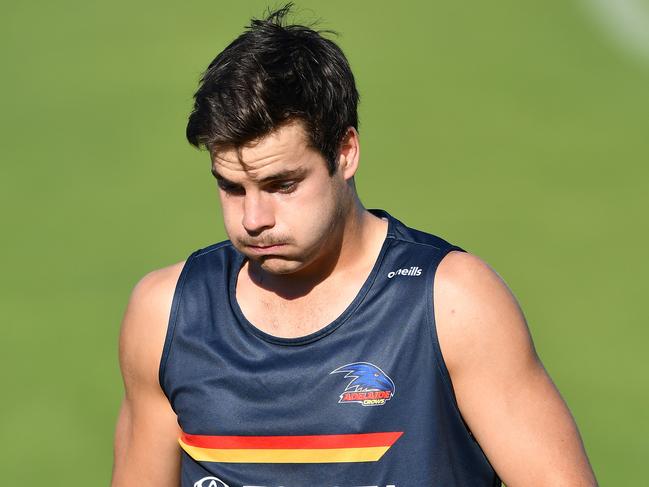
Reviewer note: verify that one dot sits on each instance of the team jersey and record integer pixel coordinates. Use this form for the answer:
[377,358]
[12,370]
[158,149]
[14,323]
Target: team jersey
[364,401]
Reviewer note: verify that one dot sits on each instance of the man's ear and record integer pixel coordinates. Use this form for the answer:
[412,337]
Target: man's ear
[349,155]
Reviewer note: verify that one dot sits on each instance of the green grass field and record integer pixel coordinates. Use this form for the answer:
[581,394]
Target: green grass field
[517,130]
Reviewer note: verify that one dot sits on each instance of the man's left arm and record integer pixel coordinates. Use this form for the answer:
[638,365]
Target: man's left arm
[504,394]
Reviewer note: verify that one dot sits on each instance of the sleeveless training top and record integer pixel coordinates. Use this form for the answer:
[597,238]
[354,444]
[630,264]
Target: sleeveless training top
[365,401]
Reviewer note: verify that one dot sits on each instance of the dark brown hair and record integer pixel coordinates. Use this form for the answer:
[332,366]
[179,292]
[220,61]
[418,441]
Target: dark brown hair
[272,74]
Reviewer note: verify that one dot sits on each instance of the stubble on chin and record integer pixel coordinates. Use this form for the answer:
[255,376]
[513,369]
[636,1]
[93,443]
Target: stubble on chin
[261,266]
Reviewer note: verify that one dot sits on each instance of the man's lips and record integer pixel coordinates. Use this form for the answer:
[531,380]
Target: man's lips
[265,249]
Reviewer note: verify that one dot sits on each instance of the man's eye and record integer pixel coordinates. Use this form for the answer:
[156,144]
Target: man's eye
[232,189]
[284,186]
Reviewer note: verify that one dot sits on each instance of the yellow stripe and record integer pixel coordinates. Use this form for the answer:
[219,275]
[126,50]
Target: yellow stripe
[268,455]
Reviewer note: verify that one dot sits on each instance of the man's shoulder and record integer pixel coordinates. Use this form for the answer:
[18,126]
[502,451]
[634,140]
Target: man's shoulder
[158,280]
[464,272]
[153,294]
[145,322]
[475,311]
[466,284]
[155,289]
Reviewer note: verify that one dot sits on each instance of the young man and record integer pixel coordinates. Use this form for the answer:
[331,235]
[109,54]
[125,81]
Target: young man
[324,344]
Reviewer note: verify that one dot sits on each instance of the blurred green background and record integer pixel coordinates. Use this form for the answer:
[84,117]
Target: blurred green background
[518,130]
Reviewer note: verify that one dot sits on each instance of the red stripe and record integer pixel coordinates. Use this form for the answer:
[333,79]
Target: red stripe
[292,442]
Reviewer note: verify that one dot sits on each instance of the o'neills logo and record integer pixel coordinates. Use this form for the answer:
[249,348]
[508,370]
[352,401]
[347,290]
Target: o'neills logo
[370,386]
[411,271]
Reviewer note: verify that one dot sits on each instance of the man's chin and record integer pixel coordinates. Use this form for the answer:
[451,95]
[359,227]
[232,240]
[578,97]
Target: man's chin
[276,264]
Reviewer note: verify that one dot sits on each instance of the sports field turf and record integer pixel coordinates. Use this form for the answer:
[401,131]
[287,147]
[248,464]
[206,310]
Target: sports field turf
[518,130]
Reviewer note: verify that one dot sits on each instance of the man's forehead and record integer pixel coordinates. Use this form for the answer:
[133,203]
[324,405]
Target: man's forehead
[282,150]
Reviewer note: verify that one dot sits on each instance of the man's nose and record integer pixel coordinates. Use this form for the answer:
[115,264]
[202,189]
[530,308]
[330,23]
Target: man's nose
[258,212]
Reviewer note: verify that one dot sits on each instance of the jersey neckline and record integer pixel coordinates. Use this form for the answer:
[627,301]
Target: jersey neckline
[332,326]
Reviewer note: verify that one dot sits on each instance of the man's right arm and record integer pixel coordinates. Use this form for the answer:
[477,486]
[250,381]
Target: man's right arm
[146,436]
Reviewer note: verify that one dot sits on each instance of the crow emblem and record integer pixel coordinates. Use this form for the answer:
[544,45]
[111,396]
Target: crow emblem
[369,385]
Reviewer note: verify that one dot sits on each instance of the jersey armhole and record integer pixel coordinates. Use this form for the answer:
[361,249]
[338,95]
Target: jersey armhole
[171,324]
[439,358]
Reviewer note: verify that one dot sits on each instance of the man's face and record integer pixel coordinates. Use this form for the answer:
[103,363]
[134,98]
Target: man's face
[281,207]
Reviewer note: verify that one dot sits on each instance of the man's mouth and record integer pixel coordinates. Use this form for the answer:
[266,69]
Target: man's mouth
[264,249]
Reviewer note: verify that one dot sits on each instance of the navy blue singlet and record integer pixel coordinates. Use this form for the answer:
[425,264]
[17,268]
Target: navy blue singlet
[365,401]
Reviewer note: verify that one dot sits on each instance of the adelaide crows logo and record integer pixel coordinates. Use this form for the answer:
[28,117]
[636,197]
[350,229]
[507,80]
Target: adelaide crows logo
[370,386]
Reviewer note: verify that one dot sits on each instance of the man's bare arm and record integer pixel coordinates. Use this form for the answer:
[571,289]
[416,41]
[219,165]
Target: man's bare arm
[505,395]
[146,436]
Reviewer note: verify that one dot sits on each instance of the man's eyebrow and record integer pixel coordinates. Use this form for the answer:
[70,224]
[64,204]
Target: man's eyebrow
[282,175]
[287,174]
